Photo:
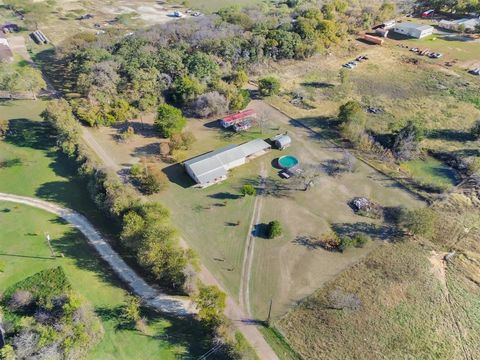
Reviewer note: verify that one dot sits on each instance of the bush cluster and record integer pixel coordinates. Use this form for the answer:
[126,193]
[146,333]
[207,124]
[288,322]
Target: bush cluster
[47,320]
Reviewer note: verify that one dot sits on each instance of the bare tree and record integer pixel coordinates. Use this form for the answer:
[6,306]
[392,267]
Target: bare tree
[341,300]
[307,175]
[210,104]
[25,344]
[20,299]
[349,162]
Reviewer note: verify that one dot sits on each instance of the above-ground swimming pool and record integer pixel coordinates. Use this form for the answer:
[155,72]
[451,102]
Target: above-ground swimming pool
[287,161]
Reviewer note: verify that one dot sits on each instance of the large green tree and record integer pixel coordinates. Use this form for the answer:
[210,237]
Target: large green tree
[170,120]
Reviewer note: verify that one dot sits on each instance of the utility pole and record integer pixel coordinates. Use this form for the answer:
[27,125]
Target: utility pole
[47,237]
[269,312]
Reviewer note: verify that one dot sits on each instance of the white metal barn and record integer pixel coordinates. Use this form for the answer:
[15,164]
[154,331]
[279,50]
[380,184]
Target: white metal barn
[413,30]
[212,168]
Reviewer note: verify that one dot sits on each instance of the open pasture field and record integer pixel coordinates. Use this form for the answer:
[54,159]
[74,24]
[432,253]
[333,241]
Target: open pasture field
[443,100]
[291,267]
[216,221]
[24,252]
[118,15]
[397,305]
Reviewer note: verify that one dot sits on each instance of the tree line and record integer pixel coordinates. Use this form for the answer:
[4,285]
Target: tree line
[147,233]
[197,65]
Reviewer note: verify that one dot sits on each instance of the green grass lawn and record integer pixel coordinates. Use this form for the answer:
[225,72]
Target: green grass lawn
[215,221]
[431,171]
[30,166]
[453,46]
[24,252]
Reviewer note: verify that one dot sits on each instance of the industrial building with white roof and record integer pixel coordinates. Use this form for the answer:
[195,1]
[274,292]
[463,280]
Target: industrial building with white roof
[211,168]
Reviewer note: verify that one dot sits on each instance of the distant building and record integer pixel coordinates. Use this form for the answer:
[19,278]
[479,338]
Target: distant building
[212,168]
[413,30]
[460,24]
[6,54]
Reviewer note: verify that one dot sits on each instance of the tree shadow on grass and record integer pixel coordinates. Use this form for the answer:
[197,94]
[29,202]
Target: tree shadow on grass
[450,135]
[318,85]
[376,232]
[273,187]
[75,246]
[319,128]
[32,134]
[224,196]
[184,332]
[152,149]
[260,231]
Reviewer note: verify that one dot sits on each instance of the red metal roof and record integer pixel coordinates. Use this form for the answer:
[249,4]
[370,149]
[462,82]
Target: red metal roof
[239,116]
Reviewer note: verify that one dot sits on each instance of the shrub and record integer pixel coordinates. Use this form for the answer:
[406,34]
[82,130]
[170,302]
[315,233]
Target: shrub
[274,229]
[269,86]
[131,309]
[248,190]
[44,286]
[350,111]
[62,326]
[153,180]
[473,166]
[407,140]
[182,141]
[135,170]
[361,240]
[20,299]
[420,222]
[345,243]
[4,125]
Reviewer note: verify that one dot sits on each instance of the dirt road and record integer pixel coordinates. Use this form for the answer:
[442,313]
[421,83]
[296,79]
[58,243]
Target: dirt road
[233,311]
[179,306]
[250,245]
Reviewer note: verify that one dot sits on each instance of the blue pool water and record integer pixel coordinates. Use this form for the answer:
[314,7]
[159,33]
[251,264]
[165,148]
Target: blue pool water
[287,161]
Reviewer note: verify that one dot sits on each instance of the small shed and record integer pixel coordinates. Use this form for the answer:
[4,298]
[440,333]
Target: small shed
[282,142]
[413,30]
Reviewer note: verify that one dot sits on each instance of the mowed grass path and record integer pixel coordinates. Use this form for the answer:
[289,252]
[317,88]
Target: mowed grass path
[31,166]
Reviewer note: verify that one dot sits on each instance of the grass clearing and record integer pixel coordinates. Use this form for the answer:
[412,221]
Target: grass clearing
[431,171]
[24,252]
[402,311]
